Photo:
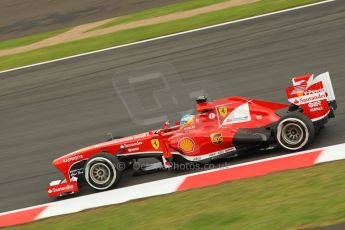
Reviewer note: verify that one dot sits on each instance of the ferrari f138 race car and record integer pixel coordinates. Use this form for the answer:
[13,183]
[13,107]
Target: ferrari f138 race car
[219,129]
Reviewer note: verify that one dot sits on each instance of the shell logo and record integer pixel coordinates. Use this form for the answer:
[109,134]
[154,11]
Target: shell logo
[186,145]
[300,94]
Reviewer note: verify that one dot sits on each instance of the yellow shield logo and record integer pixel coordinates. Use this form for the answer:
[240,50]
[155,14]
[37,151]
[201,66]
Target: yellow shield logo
[223,111]
[186,145]
[155,143]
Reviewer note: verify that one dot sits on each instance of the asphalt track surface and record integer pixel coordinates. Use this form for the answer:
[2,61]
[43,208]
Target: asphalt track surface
[333,227]
[27,17]
[53,109]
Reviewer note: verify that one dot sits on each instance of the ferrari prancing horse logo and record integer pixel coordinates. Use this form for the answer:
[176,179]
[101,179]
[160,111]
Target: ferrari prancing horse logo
[223,110]
[155,144]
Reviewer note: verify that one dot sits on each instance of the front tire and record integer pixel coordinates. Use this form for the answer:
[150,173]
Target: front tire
[294,131]
[102,171]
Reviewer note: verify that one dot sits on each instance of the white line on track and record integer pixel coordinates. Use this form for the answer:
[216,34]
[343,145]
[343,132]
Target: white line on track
[171,35]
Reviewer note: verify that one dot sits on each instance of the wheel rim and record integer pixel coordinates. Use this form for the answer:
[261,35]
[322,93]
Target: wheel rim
[100,173]
[292,134]
[104,180]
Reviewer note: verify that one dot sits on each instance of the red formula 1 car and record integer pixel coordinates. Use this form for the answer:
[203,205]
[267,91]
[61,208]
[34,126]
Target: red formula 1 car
[221,128]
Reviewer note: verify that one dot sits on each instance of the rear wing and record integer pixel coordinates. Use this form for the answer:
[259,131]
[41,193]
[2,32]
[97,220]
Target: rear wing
[314,95]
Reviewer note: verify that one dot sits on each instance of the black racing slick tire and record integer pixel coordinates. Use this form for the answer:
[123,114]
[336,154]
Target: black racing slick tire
[294,131]
[102,171]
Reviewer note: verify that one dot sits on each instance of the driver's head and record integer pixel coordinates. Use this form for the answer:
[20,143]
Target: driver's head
[187,120]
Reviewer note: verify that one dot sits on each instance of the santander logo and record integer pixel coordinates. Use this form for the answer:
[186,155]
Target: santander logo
[61,189]
[308,98]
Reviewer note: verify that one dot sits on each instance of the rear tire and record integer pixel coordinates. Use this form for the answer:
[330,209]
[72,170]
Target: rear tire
[294,131]
[102,171]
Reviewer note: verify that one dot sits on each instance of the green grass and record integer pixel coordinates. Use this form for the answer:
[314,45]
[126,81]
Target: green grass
[146,32]
[29,39]
[292,199]
[155,12]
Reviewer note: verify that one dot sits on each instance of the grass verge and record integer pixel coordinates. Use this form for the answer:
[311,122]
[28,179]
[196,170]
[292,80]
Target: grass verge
[156,12]
[29,39]
[293,199]
[146,32]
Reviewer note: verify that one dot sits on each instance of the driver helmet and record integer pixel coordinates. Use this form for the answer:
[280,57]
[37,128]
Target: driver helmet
[187,120]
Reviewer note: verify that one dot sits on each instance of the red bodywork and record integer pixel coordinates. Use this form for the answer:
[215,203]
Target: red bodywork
[211,134]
